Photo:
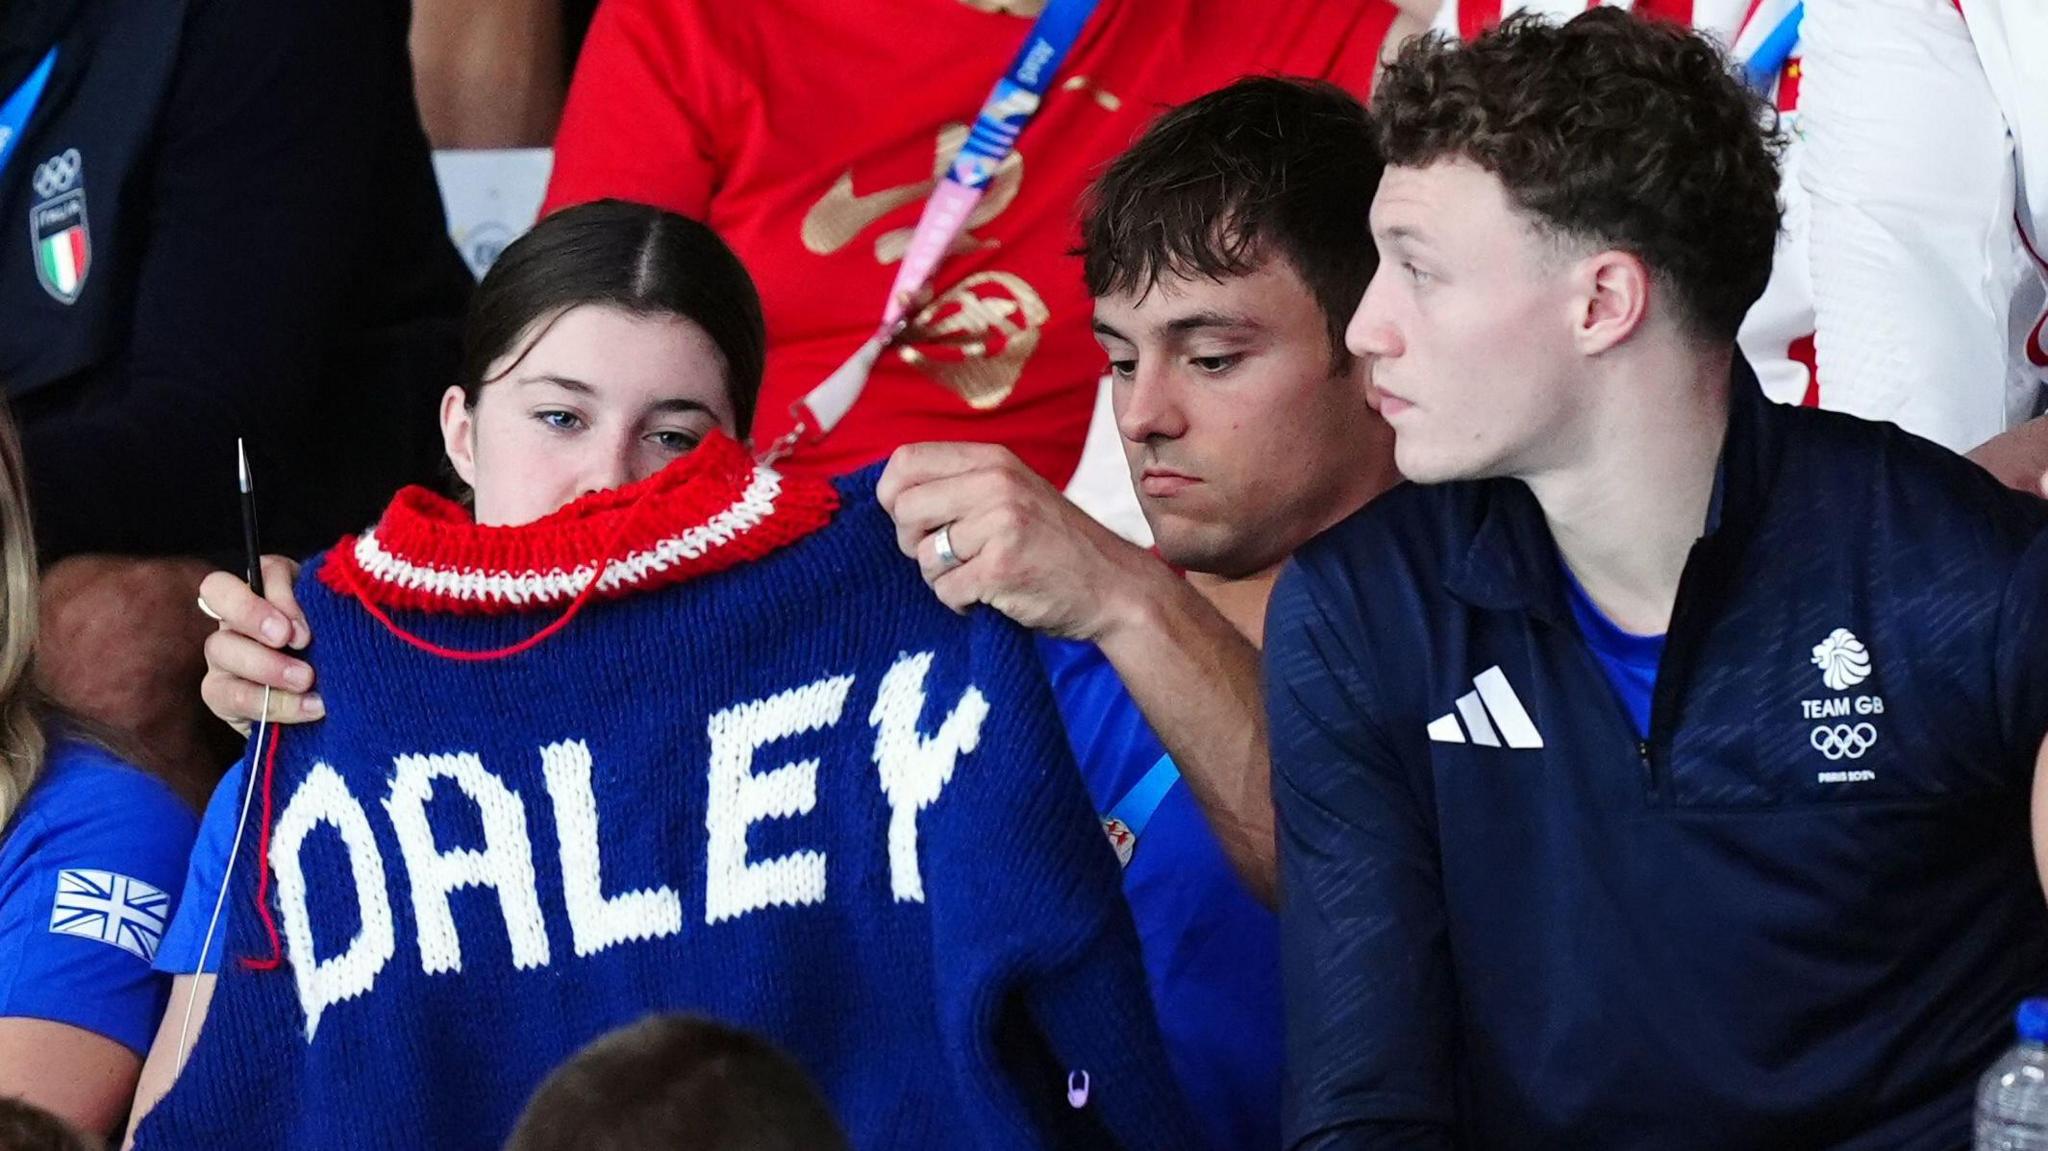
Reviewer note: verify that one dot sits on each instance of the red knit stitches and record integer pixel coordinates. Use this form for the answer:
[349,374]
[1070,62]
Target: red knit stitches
[275,959]
[708,511]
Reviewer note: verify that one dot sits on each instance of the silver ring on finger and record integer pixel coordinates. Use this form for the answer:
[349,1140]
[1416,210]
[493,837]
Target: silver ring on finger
[942,544]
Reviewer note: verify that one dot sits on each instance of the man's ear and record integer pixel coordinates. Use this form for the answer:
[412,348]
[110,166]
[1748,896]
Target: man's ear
[1613,299]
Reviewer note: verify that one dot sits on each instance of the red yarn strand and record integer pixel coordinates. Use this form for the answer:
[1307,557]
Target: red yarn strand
[276,957]
[342,571]
[576,606]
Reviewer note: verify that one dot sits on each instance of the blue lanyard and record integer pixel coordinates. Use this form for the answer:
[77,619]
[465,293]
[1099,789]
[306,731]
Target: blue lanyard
[1017,96]
[1135,809]
[15,112]
[1768,60]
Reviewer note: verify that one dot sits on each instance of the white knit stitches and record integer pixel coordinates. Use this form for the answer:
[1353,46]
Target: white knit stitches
[323,798]
[505,864]
[915,769]
[595,921]
[753,507]
[737,796]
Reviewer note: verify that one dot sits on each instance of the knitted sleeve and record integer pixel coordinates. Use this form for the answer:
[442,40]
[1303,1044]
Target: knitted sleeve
[1039,889]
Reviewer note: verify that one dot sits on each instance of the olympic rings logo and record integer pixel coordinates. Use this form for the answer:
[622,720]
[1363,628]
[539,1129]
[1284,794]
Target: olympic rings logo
[57,173]
[1842,741]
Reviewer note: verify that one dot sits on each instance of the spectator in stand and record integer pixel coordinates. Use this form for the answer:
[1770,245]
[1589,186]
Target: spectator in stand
[1653,771]
[1929,180]
[92,856]
[1225,257]
[25,1127]
[224,223]
[1226,349]
[809,136]
[1921,275]
[1777,331]
[677,1083]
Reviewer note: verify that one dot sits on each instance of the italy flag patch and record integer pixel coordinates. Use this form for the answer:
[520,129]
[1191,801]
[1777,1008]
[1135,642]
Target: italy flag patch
[58,231]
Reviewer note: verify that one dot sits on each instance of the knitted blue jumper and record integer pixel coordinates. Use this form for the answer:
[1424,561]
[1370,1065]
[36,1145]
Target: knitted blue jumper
[771,781]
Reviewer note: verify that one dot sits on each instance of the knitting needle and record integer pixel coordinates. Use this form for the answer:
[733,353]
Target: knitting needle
[253,556]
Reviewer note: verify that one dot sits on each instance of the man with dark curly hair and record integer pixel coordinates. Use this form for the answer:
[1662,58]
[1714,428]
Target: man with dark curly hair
[1653,773]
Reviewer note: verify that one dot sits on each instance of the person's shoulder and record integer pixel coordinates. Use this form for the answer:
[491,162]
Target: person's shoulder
[858,486]
[91,806]
[1382,570]
[858,528]
[85,782]
[1417,524]
[854,562]
[1872,472]
[326,584]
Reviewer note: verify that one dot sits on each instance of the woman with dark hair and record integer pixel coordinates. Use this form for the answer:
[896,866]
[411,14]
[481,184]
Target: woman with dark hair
[629,662]
[602,345]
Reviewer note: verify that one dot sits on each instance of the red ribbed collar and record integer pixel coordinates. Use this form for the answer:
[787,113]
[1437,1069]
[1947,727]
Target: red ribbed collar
[707,511]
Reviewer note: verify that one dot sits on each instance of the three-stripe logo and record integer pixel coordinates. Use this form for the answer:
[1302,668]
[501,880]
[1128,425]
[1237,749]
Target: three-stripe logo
[1492,713]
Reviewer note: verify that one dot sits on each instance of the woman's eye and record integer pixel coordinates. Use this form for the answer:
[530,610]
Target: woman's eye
[1122,369]
[1414,273]
[560,420]
[675,441]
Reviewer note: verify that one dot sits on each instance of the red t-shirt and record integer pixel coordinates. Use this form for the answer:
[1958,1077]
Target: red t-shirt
[808,134]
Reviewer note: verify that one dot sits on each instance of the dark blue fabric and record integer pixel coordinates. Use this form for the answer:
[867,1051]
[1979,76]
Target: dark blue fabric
[1630,660]
[268,258]
[943,1015]
[1801,919]
[1212,951]
[74,946]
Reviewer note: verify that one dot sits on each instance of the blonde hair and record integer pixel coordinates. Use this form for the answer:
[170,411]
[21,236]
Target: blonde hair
[23,741]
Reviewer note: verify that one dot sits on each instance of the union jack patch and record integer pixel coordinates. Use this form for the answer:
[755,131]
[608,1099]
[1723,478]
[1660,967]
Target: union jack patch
[112,908]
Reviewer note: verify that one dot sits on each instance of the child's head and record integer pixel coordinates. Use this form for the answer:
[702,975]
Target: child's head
[677,1083]
[25,1127]
[603,344]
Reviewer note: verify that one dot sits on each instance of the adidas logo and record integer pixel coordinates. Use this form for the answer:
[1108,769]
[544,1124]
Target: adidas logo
[1492,713]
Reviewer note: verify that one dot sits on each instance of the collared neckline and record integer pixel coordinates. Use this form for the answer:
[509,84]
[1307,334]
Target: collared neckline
[1511,562]
[707,511]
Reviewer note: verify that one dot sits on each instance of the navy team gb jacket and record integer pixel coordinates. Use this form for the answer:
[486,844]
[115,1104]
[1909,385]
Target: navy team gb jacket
[1797,917]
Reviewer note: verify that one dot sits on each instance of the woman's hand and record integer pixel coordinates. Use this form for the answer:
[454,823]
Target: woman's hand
[247,653]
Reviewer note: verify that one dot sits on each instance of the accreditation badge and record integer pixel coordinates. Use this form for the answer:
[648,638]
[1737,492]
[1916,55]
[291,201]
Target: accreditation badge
[1121,839]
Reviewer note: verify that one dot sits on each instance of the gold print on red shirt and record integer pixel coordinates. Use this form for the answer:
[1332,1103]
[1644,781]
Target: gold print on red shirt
[839,217]
[977,336]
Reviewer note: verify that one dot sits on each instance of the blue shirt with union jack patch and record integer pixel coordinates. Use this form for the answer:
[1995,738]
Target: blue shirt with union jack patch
[90,869]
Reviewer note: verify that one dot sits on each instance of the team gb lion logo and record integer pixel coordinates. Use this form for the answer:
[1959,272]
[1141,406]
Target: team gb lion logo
[1842,660]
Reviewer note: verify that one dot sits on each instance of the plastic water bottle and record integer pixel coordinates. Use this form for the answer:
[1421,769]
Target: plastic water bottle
[2012,1098]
